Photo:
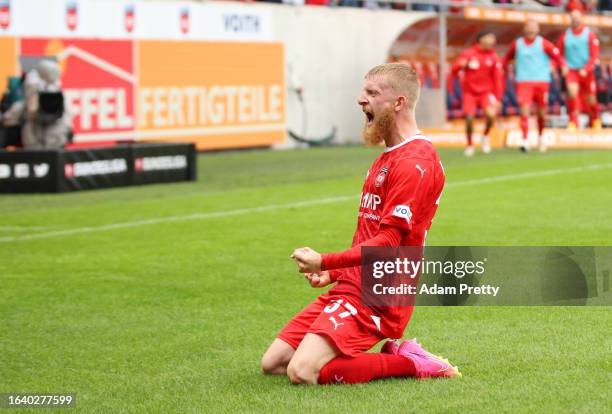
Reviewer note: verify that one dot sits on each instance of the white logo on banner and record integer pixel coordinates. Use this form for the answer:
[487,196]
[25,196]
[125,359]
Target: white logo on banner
[5,171]
[161,163]
[242,23]
[22,171]
[41,170]
[101,167]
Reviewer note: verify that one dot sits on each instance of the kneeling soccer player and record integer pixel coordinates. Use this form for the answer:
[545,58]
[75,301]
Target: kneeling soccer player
[326,342]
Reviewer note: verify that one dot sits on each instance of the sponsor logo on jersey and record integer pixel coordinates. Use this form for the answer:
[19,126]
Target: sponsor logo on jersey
[380,178]
[371,201]
[368,216]
[402,212]
[421,170]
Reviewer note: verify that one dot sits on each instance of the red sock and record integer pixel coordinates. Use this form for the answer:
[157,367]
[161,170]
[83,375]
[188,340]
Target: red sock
[594,112]
[525,126]
[572,110]
[487,128]
[469,139]
[365,368]
[540,125]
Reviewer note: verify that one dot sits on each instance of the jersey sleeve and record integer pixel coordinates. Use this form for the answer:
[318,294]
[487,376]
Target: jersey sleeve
[593,52]
[509,56]
[498,79]
[461,61]
[387,236]
[553,52]
[561,44]
[403,191]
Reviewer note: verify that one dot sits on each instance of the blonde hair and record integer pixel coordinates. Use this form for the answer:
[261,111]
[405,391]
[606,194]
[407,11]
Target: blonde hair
[401,78]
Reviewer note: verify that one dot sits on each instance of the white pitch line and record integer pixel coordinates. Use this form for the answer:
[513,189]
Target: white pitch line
[188,217]
[531,174]
[21,228]
[269,207]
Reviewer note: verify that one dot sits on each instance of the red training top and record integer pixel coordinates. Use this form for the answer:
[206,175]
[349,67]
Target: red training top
[482,71]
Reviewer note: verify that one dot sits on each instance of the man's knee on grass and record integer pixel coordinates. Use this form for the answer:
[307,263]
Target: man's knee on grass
[313,353]
[276,358]
[302,372]
[272,365]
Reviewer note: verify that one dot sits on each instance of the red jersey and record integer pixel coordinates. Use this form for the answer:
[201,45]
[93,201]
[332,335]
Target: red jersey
[483,73]
[402,189]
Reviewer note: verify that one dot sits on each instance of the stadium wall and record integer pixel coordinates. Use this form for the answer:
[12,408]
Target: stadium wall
[328,51]
[219,74]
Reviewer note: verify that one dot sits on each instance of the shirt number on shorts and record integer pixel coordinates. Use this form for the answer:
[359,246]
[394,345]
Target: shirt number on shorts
[333,307]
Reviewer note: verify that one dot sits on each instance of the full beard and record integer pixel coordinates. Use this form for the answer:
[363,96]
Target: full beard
[381,127]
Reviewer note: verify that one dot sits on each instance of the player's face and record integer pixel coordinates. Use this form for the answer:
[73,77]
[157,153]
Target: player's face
[376,101]
[532,29]
[487,41]
[576,18]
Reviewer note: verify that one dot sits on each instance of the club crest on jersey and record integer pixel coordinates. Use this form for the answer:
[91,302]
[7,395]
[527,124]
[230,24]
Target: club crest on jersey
[380,178]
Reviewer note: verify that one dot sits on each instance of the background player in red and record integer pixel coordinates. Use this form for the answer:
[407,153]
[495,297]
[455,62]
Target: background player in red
[532,55]
[482,86]
[580,48]
[326,342]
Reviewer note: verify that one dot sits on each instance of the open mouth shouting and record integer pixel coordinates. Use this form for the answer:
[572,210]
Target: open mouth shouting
[369,117]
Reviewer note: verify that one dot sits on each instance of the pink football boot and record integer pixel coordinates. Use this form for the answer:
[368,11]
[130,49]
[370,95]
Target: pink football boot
[427,364]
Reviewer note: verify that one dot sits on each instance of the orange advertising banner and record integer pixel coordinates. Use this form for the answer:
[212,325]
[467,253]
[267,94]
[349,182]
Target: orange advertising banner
[215,94]
[507,134]
[519,16]
[8,63]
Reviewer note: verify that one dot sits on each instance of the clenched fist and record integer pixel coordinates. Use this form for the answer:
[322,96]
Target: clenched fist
[308,260]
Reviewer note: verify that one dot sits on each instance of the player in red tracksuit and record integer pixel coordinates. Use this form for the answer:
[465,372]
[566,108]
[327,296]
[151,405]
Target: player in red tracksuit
[482,85]
[580,48]
[532,56]
[327,341]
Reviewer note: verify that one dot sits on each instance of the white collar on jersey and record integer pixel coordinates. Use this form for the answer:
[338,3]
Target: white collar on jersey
[418,135]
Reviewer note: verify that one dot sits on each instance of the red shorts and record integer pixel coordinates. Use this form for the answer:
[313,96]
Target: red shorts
[586,84]
[348,326]
[471,101]
[532,92]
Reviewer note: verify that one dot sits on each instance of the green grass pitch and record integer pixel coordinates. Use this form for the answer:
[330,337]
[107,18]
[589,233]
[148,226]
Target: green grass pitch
[173,315]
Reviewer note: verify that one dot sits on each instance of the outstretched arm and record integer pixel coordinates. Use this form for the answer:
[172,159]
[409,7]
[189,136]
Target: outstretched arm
[310,261]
